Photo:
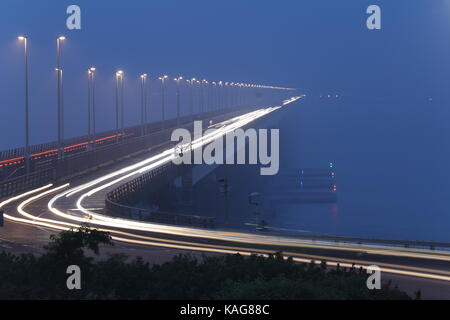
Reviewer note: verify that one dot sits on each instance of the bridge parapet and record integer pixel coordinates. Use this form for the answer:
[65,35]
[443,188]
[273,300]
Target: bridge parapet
[115,202]
[54,169]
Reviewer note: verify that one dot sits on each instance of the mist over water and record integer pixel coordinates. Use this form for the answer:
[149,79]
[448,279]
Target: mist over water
[392,170]
[392,166]
[391,154]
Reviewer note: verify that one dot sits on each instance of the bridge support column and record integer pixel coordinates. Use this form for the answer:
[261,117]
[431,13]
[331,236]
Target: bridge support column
[186,189]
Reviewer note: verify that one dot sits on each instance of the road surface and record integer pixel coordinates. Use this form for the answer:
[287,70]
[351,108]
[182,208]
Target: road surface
[32,215]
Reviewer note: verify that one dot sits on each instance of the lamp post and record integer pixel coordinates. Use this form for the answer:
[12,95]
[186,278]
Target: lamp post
[122,112]
[214,96]
[91,106]
[163,79]
[239,95]
[231,89]
[227,95]
[94,129]
[191,95]
[199,95]
[208,95]
[241,90]
[60,95]
[143,102]
[27,116]
[178,99]
[202,102]
[119,78]
[202,95]
[220,95]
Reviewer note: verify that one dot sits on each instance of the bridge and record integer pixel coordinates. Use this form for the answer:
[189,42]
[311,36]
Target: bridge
[95,180]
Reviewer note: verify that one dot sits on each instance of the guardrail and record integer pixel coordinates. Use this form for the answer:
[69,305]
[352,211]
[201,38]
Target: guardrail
[114,203]
[57,169]
[368,241]
[19,184]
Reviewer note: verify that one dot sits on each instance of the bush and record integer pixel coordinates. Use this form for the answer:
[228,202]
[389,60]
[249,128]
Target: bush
[184,277]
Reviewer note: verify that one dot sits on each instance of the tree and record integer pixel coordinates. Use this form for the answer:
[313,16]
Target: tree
[69,245]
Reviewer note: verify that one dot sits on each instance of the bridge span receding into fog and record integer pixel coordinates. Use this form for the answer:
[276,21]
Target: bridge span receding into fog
[77,193]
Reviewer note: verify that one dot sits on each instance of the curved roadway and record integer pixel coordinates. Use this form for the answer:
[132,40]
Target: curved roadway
[70,205]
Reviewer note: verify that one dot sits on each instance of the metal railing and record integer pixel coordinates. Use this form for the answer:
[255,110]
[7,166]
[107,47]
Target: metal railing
[115,202]
[19,184]
[58,169]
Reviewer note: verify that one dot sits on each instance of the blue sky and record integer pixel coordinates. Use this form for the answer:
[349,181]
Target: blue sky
[316,45]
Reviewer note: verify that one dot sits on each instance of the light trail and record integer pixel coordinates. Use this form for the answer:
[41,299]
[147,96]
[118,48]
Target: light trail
[105,222]
[166,156]
[184,245]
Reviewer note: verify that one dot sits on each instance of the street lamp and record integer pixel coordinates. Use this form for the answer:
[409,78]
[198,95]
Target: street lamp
[220,95]
[227,95]
[191,95]
[208,95]
[178,98]
[238,94]
[27,117]
[202,101]
[199,96]
[119,100]
[143,102]
[91,109]
[214,96]
[94,127]
[233,95]
[60,95]
[163,79]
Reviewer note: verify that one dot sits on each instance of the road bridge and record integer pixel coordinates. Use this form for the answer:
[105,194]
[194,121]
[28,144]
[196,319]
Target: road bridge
[94,194]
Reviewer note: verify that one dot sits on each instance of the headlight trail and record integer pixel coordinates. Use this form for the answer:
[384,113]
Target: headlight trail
[116,225]
[183,245]
[165,157]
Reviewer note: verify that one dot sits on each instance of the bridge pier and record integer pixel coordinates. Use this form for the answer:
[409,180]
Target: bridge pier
[186,189]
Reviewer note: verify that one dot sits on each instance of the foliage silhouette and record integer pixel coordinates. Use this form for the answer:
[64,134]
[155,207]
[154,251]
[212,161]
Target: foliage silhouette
[184,277]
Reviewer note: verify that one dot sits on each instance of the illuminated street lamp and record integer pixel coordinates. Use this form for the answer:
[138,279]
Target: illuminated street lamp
[191,95]
[91,107]
[214,95]
[202,96]
[220,83]
[143,102]
[199,97]
[163,79]
[233,95]
[227,95]
[27,116]
[119,100]
[178,98]
[60,97]
[94,128]
[238,96]
[208,96]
